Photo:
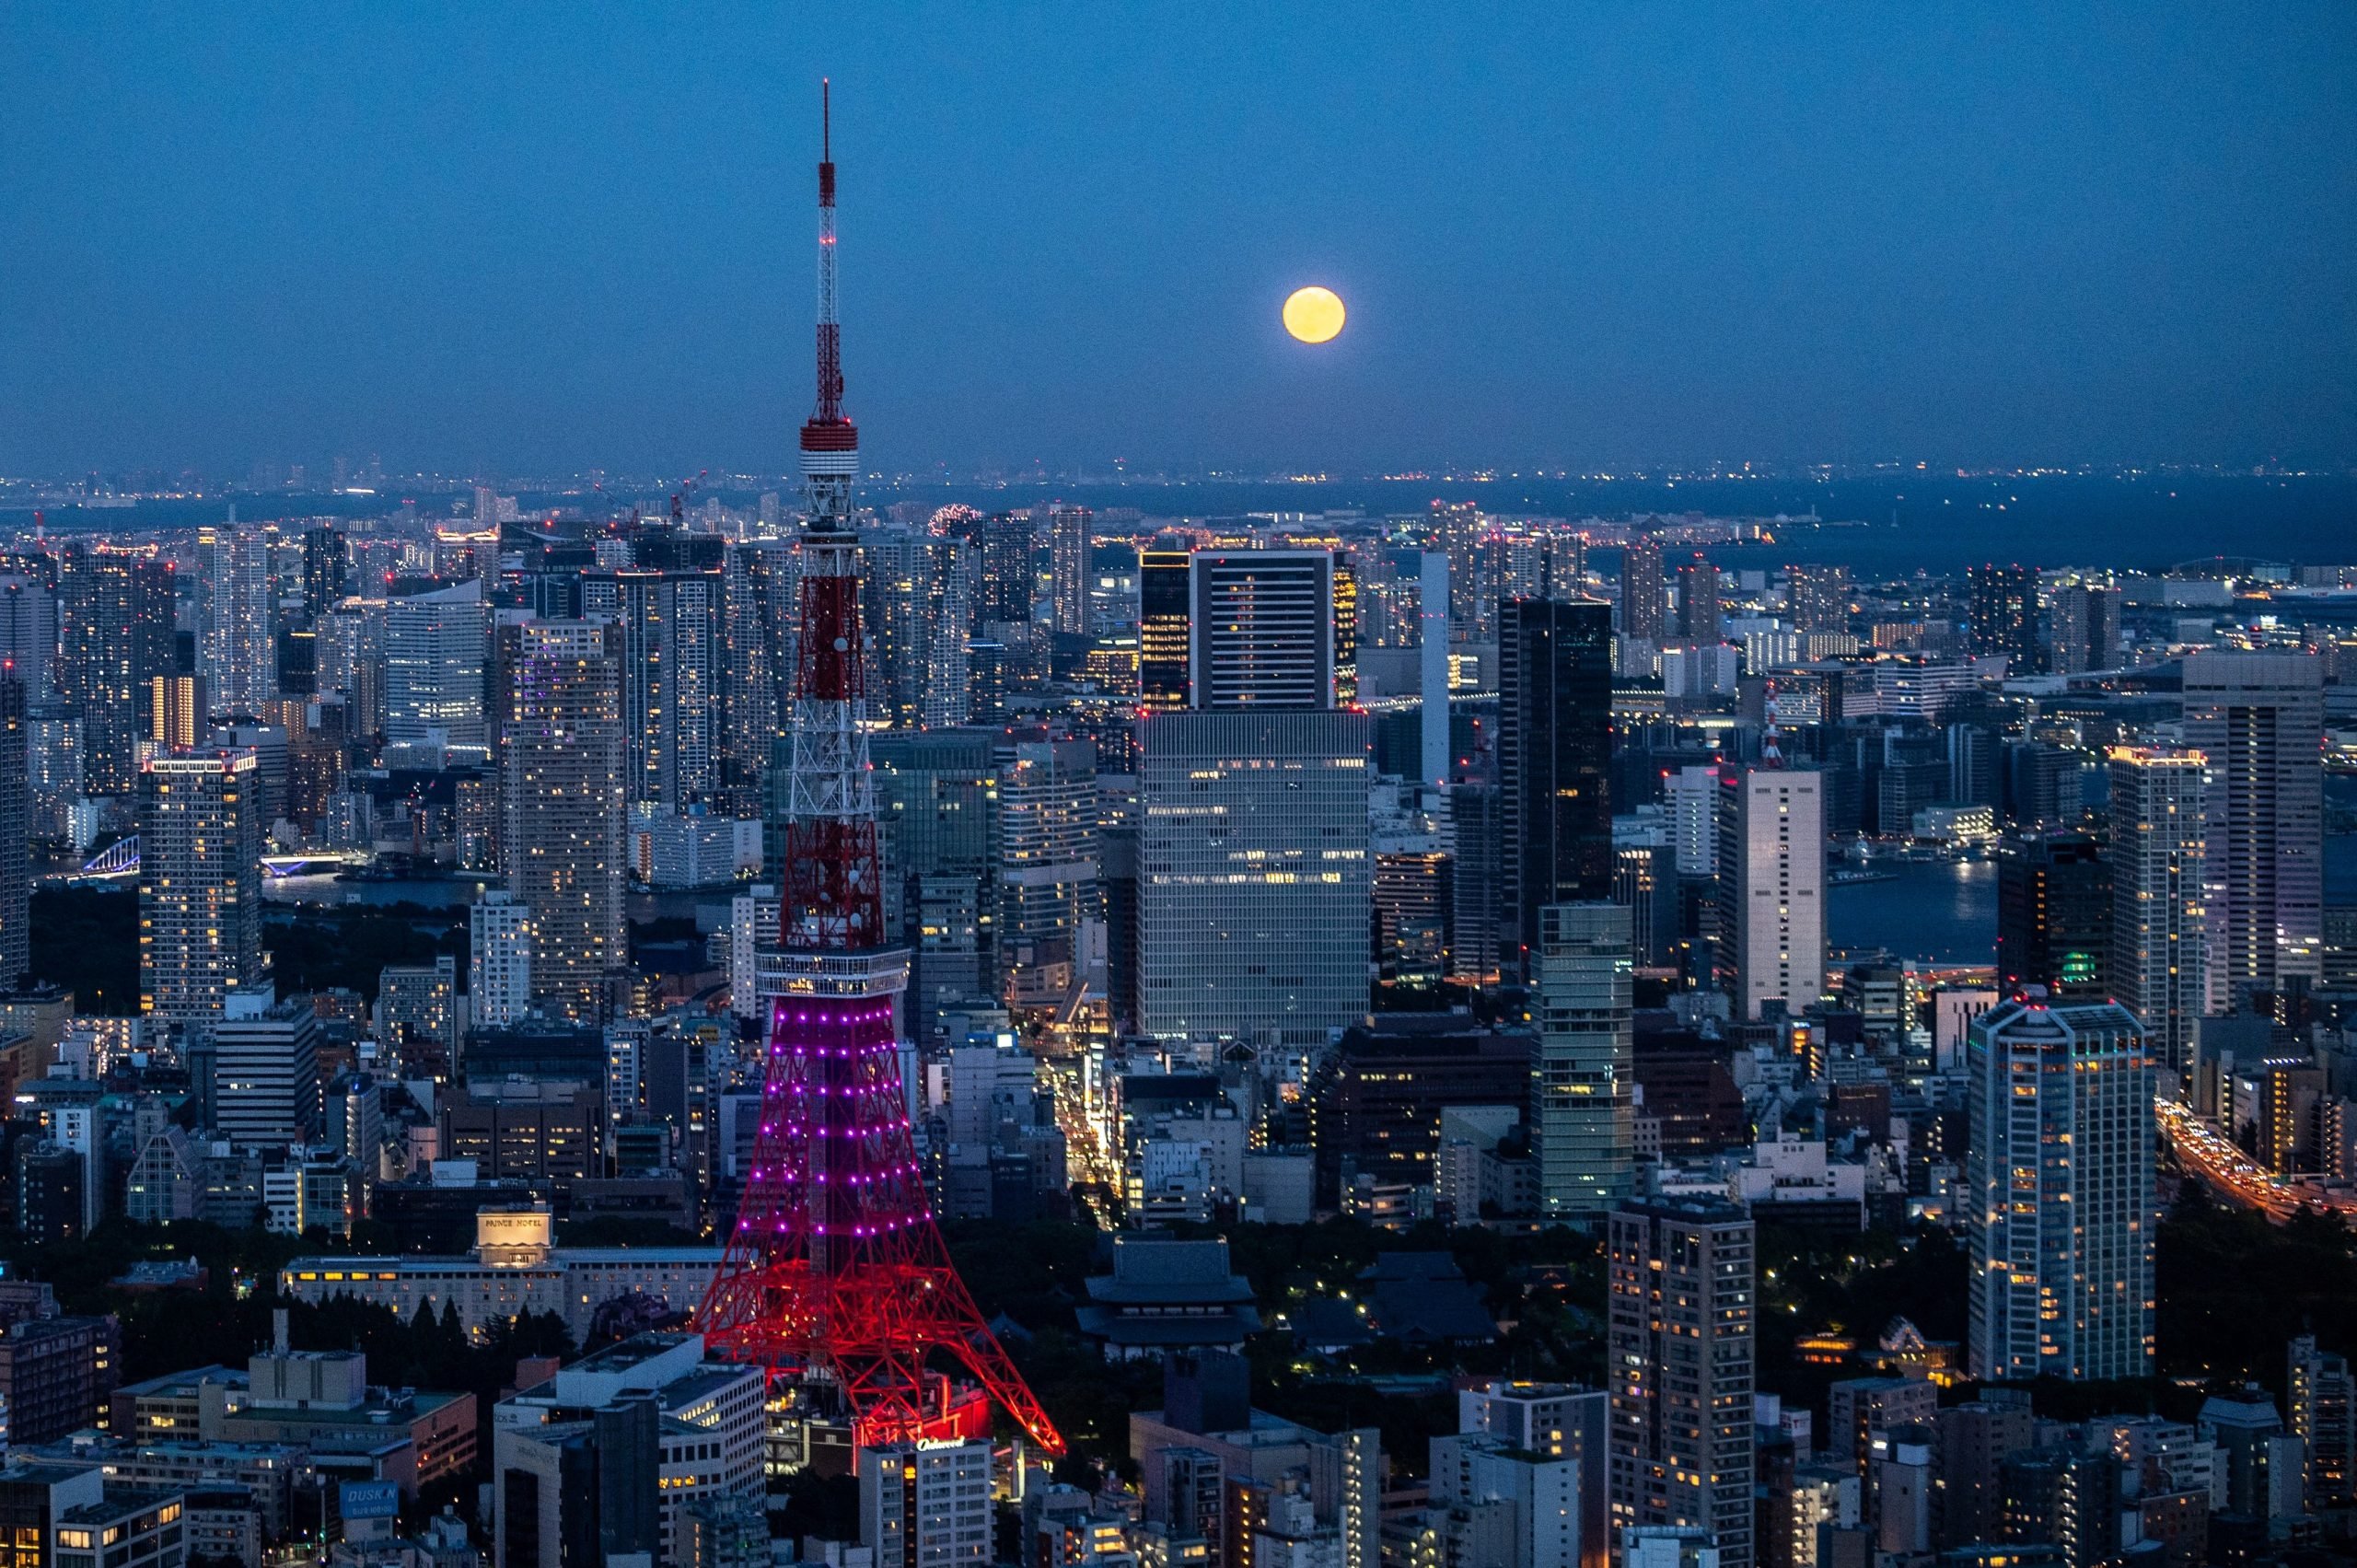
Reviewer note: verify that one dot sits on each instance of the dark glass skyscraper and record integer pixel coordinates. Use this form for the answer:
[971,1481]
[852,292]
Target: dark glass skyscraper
[2054,916]
[117,634]
[1554,761]
[2004,615]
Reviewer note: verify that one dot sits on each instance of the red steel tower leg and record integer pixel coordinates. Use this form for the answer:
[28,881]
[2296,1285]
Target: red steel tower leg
[836,1270]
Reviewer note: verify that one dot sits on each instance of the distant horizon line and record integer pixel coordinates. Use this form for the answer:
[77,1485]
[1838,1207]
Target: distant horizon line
[137,483]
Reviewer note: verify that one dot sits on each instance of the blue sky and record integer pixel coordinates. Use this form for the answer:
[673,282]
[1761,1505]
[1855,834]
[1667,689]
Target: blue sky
[525,240]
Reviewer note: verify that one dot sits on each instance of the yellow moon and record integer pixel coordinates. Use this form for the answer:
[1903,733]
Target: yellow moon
[1313,314]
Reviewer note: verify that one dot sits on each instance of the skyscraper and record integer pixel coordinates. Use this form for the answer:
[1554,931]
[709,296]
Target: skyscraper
[2002,616]
[326,568]
[561,833]
[916,612]
[436,646]
[2059,1191]
[2054,916]
[2260,719]
[236,618]
[925,1503]
[200,881]
[16,830]
[758,600]
[1046,864]
[1582,1111]
[2082,628]
[1679,1360]
[1006,578]
[1165,594]
[2320,1398]
[1253,876]
[28,637]
[1772,889]
[1068,569]
[117,633]
[1645,596]
[1554,761]
[1261,629]
[674,660]
[1819,600]
[2159,799]
[1697,602]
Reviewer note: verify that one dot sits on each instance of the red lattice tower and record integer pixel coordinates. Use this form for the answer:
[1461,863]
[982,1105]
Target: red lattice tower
[837,1273]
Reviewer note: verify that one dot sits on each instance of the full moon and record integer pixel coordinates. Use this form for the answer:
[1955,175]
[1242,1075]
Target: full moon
[1313,314]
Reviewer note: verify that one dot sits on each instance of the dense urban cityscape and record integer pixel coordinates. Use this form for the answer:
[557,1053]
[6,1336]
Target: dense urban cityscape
[1229,1019]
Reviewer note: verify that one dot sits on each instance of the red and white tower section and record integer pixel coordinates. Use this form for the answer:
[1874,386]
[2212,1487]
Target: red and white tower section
[836,1275]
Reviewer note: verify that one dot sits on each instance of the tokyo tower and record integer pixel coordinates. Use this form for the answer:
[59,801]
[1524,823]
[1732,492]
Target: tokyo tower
[837,1274]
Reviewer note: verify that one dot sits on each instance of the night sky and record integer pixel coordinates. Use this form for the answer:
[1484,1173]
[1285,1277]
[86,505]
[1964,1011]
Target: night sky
[498,240]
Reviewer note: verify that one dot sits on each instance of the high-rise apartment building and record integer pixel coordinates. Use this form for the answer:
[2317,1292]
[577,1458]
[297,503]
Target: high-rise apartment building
[28,636]
[758,591]
[1068,569]
[1164,595]
[1644,593]
[326,567]
[1680,1326]
[2054,916]
[1818,600]
[674,659]
[1006,577]
[117,616]
[1772,889]
[2081,628]
[1554,761]
[266,1071]
[16,830]
[2002,617]
[236,618]
[200,881]
[2260,719]
[1583,1082]
[435,649]
[2059,1191]
[499,961]
[1046,864]
[562,830]
[2158,968]
[351,660]
[1699,620]
[1253,897]
[1260,628]
[915,609]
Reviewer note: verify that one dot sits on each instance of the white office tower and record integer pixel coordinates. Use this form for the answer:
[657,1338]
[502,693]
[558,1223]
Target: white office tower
[2059,1195]
[266,1071]
[499,962]
[1253,892]
[1534,1499]
[1692,795]
[436,646]
[926,1504]
[200,881]
[2260,719]
[237,631]
[2159,970]
[1260,628]
[1583,1088]
[1772,889]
